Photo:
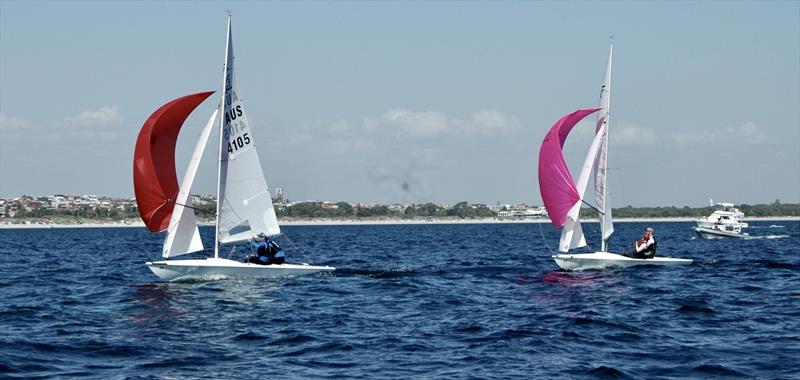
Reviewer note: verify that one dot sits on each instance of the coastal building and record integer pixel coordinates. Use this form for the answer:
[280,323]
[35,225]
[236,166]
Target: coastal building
[279,198]
[397,207]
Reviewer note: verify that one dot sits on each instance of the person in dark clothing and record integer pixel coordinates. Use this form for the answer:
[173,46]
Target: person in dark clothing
[645,248]
[275,253]
[267,251]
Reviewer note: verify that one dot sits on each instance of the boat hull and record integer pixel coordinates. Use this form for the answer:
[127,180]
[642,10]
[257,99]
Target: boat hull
[713,233]
[604,260]
[709,224]
[216,268]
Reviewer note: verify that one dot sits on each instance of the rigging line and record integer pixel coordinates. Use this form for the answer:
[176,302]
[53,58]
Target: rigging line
[195,208]
[594,208]
[541,231]
[296,248]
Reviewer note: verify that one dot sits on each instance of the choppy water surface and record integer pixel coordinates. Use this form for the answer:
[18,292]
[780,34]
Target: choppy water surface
[408,301]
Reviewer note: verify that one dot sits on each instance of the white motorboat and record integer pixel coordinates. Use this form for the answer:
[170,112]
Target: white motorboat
[563,196]
[244,207]
[719,232]
[724,222]
[725,214]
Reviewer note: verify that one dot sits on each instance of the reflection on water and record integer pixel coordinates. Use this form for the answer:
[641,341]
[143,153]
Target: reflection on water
[174,302]
[555,286]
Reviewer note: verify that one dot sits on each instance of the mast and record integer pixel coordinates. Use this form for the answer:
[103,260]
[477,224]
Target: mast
[606,229]
[221,126]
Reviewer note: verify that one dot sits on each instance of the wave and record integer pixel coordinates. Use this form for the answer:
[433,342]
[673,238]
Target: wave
[778,265]
[605,372]
[766,237]
[373,273]
[715,369]
[695,309]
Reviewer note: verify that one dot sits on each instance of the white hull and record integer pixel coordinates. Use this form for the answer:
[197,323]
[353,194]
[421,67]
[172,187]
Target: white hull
[603,260]
[214,269]
[707,224]
[703,223]
[713,233]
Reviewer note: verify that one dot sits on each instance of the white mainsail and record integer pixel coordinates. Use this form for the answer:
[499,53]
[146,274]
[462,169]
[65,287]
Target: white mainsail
[244,205]
[183,236]
[601,161]
[596,161]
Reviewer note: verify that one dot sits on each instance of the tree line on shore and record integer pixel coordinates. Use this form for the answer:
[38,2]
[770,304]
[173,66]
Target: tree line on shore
[344,210]
[461,210]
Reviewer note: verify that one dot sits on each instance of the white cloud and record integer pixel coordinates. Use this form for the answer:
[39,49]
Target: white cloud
[352,146]
[689,138]
[492,121]
[620,134]
[418,124]
[632,135]
[105,116]
[435,123]
[748,133]
[10,122]
[396,128]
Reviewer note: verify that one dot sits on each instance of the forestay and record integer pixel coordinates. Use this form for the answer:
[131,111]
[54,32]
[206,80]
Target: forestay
[244,207]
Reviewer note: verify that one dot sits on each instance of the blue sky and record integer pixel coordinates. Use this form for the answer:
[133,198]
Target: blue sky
[411,101]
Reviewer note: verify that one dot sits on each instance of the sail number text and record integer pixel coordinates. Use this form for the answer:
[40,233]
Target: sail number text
[234,127]
[238,143]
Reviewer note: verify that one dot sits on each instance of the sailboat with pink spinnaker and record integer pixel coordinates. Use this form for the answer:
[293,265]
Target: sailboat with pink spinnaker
[563,196]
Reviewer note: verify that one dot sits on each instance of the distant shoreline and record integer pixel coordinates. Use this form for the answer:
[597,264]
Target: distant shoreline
[354,222]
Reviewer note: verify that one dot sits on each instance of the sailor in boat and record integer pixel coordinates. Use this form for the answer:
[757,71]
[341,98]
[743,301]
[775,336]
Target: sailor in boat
[267,251]
[645,248]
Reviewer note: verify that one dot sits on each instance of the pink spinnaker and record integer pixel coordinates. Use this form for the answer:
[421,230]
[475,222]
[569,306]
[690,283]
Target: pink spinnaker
[556,185]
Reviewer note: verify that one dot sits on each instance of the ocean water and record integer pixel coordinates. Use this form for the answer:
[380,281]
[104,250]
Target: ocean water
[407,301]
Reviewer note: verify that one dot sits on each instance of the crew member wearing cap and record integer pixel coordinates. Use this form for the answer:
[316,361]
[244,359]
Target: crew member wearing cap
[267,251]
[646,246]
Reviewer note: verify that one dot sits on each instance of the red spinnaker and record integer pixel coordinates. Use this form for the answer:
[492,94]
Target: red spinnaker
[155,180]
[556,185]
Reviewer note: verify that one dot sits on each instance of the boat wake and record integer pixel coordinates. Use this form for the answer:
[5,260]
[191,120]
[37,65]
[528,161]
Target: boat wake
[766,237]
[373,273]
